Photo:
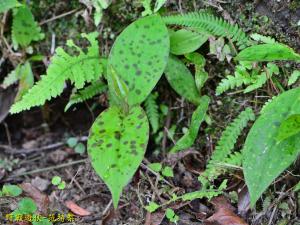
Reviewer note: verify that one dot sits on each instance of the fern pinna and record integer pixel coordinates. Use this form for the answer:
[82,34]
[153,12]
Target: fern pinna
[81,68]
[88,92]
[211,24]
[151,108]
[223,151]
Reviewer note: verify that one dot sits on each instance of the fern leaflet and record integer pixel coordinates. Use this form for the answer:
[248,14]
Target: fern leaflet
[241,76]
[223,152]
[152,112]
[84,94]
[211,24]
[81,68]
[11,78]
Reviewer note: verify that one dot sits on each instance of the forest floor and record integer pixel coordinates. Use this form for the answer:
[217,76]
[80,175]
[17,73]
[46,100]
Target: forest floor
[33,145]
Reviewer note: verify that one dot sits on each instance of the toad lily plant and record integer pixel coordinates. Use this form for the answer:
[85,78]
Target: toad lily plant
[141,54]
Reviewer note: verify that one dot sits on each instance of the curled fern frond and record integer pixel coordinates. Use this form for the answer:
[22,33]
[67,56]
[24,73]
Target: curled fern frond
[88,92]
[223,152]
[211,24]
[152,112]
[81,68]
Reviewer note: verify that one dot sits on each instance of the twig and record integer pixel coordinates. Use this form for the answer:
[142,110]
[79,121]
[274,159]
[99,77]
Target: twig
[50,168]
[7,134]
[107,208]
[58,17]
[44,148]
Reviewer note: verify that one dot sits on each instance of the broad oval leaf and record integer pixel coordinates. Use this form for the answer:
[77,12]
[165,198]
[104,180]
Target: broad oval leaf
[139,56]
[116,146]
[267,52]
[190,136]
[263,157]
[289,127]
[185,41]
[181,80]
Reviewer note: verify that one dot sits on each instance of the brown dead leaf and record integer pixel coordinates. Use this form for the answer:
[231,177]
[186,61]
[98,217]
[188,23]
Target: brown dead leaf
[7,97]
[41,200]
[244,201]
[224,214]
[76,209]
[155,218]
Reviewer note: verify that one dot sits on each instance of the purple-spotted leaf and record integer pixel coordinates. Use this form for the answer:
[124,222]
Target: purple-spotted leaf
[139,56]
[264,158]
[116,146]
[289,127]
[181,80]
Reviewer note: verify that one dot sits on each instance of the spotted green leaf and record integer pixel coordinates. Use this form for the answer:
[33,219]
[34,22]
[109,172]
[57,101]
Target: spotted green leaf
[267,52]
[185,41]
[116,146]
[181,80]
[139,56]
[289,127]
[263,157]
[25,29]
[8,4]
[190,136]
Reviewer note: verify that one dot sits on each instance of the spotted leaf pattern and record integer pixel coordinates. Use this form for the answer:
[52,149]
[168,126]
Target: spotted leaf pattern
[116,146]
[139,56]
[263,157]
[181,80]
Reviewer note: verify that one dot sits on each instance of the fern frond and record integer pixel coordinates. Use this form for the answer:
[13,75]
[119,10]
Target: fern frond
[211,24]
[152,112]
[231,82]
[223,151]
[11,78]
[262,38]
[24,28]
[88,92]
[81,68]
[258,83]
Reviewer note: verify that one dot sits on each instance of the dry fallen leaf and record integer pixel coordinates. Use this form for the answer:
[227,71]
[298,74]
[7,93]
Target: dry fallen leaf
[155,218]
[7,97]
[224,214]
[244,201]
[77,209]
[41,200]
